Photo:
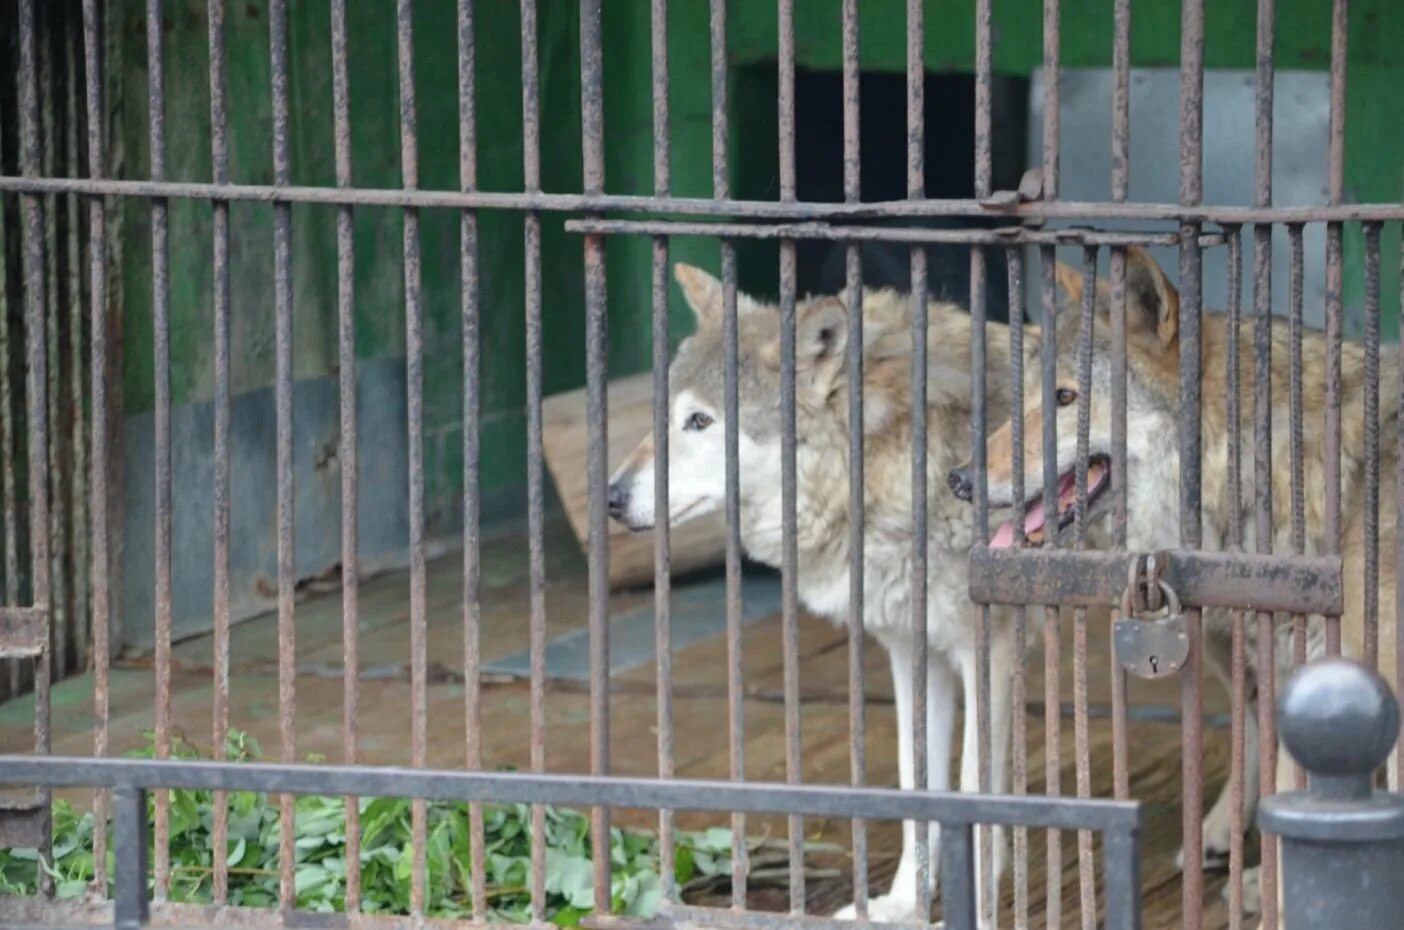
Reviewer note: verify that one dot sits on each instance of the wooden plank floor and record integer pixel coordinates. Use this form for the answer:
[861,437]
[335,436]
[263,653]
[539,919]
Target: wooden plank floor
[699,706]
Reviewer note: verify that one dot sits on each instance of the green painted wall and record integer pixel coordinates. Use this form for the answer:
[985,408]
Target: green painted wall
[1375,159]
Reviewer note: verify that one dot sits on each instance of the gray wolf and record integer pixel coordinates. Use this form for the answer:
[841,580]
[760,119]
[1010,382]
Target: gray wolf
[1153,469]
[697,485]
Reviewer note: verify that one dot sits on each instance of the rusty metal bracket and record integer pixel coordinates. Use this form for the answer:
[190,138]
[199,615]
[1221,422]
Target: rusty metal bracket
[23,632]
[1268,583]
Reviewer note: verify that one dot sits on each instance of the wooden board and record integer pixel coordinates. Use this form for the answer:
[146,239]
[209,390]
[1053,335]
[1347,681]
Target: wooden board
[698,544]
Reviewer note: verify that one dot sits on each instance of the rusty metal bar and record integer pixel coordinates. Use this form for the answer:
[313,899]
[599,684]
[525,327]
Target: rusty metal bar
[853,300]
[1086,876]
[1121,776]
[736,719]
[59,621]
[78,451]
[1372,446]
[219,171]
[1052,106]
[1295,425]
[794,760]
[916,190]
[160,296]
[97,486]
[1014,262]
[1121,101]
[663,646]
[1052,637]
[1398,781]
[1086,211]
[1340,29]
[596,409]
[283,388]
[470,298]
[1004,236]
[7,467]
[984,171]
[1239,656]
[531,175]
[1191,690]
[414,397]
[1228,580]
[349,451]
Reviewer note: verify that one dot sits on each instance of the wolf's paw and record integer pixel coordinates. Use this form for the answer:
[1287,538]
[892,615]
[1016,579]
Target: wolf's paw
[886,908]
[1252,892]
[1217,831]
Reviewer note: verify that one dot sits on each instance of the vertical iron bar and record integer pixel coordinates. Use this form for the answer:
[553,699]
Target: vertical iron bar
[130,843]
[736,721]
[789,547]
[1191,193]
[983,188]
[1398,782]
[1052,108]
[349,451]
[1372,445]
[1121,775]
[1014,261]
[160,295]
[1262,436]
[1121,100]
[219,172]
[1294,389]
[60,627]
[958,897]
[853,299]
[76,389]
[916,190]
[1052,625]
[97,486]
[596,409]
[36,383]
[1335,183]
[658,23]
[1086,877]
[470,291]
[414,389]
[1122,853]
[531,174]
[283,401]
[1238,619]
[7,466]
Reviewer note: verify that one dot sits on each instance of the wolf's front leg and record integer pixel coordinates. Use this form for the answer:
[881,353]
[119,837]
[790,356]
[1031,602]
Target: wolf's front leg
[902,900]
[1002,657]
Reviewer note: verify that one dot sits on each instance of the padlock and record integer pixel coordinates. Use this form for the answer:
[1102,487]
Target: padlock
[1147,646]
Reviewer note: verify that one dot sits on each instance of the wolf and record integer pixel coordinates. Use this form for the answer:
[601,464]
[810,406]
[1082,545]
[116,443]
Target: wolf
[1153,473]
[696,443]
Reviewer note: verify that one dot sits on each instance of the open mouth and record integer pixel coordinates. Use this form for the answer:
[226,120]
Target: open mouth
[1036,520]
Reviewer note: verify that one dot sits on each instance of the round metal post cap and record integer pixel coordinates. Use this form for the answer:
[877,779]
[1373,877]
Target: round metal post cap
[1337,718]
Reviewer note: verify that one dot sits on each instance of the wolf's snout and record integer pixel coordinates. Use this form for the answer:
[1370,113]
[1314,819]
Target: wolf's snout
[962,483]
[618,500]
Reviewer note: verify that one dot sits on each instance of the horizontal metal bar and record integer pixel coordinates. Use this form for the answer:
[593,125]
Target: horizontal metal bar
[1279,584]
[1009,235]
[23,631]
[577,790]
[754,209]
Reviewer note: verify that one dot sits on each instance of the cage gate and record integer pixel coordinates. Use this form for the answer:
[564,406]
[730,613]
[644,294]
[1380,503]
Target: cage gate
[1291,566]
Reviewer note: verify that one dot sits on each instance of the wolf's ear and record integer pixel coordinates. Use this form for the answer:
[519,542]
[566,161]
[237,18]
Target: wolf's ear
[703,292]
[821,337]
[1070,281]
[1152,303]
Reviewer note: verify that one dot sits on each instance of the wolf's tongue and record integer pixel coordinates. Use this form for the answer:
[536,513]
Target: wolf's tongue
[1033,521]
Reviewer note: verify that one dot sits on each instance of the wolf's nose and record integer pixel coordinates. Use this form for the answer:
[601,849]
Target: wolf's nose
[962,483]
[618,500]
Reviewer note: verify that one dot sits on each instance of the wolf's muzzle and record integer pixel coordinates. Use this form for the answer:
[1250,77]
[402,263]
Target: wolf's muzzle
[618,500]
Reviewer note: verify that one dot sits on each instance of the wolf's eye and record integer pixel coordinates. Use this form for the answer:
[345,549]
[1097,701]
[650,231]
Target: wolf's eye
[697,422]
[1065,396]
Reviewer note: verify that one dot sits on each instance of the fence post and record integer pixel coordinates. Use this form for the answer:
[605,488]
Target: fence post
[1342,842]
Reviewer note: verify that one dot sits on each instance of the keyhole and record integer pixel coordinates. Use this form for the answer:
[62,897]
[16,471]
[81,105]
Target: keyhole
[1155,665]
